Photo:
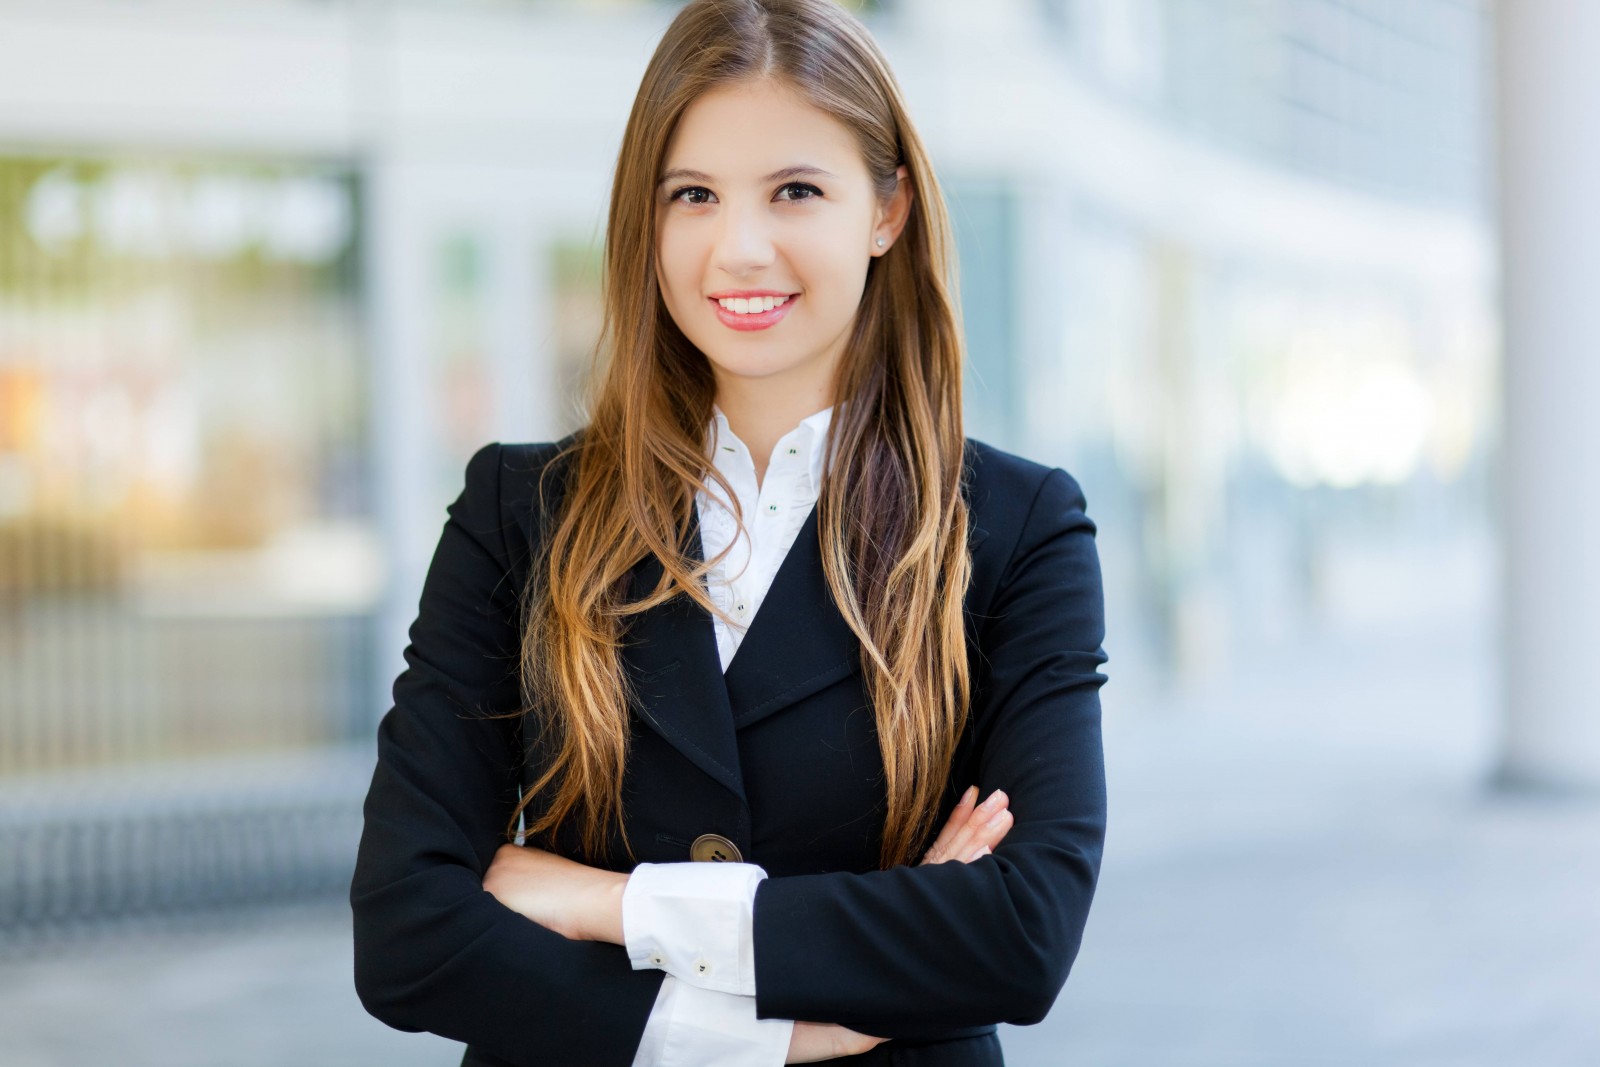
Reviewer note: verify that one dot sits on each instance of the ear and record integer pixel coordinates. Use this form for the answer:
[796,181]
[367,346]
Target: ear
[891,217]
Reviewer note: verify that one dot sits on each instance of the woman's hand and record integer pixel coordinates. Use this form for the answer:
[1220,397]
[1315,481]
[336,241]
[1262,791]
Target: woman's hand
[579,902]
[825,1041]
[970,833]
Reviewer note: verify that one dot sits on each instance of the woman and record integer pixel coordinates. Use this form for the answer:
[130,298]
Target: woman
[769,608]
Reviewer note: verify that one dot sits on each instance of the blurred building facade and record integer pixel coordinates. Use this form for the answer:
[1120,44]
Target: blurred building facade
[271,270]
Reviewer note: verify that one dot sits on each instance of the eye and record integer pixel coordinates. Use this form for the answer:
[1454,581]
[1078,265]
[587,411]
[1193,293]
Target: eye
[802,185]
[678,193]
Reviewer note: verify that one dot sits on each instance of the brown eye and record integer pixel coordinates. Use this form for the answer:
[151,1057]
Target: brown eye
[678,194]
[802,185]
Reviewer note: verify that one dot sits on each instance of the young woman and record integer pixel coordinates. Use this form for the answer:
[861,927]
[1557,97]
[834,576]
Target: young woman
[769,608]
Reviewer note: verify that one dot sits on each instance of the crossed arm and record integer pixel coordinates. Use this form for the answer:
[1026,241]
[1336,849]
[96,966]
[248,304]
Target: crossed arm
[905,954]
[693,920]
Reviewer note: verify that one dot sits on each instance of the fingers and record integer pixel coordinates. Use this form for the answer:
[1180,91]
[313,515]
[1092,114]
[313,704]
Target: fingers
[811,1042]
[940,848]
[971,830]
[984,828]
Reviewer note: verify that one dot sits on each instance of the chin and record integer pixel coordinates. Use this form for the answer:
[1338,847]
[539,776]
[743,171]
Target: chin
[752,365]
[753,372]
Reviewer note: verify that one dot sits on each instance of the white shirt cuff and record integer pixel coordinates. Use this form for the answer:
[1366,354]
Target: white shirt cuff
[694,1027]
[694,920]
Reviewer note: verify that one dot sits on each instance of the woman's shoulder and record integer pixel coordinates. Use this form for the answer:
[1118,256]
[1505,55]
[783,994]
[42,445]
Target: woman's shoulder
[526,461]
[519,479]
[1004,488]
[1028,518]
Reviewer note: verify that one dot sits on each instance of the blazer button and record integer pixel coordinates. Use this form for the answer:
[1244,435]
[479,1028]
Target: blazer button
[714,848]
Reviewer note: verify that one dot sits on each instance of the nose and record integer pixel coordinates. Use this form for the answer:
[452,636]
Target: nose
[744,239]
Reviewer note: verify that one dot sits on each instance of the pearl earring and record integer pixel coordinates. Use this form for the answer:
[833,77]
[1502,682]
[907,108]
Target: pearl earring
[880,242]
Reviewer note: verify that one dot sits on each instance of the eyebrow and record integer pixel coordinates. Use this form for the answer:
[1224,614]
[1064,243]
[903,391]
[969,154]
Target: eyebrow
[797,171]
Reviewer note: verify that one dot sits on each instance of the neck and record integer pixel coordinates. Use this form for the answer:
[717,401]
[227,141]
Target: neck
[760,413]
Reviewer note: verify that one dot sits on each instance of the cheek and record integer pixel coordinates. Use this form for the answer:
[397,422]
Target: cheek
[833,254]
[833,269]
[672,266]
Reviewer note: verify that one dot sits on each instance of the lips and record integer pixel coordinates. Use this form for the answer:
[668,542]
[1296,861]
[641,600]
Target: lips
[759,321]
[746,294]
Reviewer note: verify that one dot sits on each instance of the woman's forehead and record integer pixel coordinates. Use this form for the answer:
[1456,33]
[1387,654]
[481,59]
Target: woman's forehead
[749,133]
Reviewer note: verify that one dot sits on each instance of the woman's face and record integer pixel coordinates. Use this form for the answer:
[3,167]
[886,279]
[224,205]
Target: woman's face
[777,200]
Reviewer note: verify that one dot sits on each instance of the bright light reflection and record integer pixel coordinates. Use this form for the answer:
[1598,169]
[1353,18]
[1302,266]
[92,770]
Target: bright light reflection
[1344,416]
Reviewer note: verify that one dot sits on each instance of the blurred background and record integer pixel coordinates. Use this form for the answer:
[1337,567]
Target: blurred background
[1299,290]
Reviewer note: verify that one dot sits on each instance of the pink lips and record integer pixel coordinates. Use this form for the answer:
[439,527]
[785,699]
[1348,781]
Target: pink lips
[761,321]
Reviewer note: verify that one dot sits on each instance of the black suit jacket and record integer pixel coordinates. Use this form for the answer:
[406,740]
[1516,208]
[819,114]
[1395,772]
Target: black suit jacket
[780,756]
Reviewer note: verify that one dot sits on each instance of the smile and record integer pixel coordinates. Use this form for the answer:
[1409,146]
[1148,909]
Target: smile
[753,320]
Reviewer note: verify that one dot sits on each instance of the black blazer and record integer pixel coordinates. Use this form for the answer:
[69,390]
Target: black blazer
[779,756]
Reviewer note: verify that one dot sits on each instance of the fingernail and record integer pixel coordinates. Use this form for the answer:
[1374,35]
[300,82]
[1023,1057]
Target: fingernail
[970,795]
[994,799]
[996,821]
[984,851]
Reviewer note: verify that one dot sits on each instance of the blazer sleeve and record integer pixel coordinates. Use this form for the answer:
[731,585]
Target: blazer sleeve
[912,951]
[434,950]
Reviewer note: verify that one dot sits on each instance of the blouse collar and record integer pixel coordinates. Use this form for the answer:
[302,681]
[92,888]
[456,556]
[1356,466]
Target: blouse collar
[809,439]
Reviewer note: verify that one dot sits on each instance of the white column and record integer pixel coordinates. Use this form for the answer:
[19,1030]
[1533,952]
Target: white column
[1548,87]
[518,322]
[405,441]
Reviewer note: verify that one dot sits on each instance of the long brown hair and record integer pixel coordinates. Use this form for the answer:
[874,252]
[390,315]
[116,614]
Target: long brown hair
[898,570]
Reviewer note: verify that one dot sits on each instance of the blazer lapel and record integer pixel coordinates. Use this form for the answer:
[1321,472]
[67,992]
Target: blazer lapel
[797,643]
[672,659]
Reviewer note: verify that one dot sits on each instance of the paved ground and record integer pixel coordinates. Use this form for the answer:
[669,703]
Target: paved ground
[1302,869]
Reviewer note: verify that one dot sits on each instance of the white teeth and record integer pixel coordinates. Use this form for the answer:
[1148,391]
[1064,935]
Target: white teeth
[754,306]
